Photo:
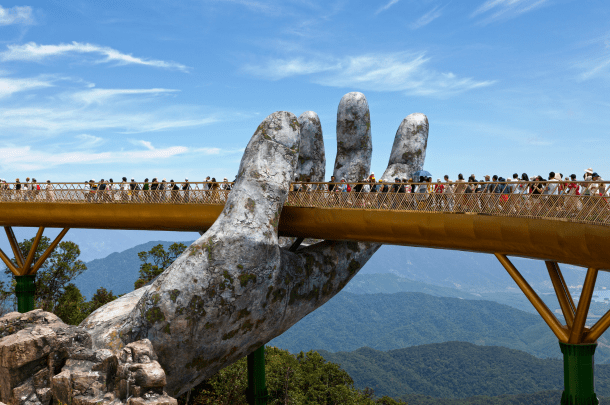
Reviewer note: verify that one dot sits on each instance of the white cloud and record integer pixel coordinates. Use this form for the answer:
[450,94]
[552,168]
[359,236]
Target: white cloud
[33,52]
[280,69]
[8,85]
[493,10]
[595,61]
[16,15]
[24,157]
[87,141]
[98,96]
[427,18]
[595,67]
[27,158]
[406,72]
[63,119]
[386,6]
[253,5]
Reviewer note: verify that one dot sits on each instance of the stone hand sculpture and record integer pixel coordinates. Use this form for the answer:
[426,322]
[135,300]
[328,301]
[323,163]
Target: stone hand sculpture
[235,288]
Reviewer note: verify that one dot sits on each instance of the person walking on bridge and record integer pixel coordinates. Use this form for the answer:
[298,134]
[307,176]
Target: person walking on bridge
[18,191]
[174,191]
[154,186]
[163,191]
[186,187]
[50,193]
[124,187]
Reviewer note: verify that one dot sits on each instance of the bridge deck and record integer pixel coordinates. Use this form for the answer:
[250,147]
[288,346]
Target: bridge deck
[565,228]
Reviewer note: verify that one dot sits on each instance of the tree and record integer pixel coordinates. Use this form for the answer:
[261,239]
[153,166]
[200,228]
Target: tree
[306,378]
[71,306]
[57,272]
[156,260]
[100,298]
[7,299]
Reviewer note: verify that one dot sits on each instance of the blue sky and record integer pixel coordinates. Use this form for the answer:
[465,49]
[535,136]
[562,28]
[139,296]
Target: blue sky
[159,89]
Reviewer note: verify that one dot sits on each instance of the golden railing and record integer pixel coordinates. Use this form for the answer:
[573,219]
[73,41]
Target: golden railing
[586,202]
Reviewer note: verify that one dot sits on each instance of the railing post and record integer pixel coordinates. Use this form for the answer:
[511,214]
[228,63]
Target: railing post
[578,370]
[25,289]
[257,387]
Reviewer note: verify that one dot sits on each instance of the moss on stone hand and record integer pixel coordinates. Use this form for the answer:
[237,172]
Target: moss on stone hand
[245,278]
[173,295]
[154,315]
[250,204]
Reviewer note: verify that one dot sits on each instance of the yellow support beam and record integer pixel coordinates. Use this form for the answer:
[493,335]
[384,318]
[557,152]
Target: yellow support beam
[562,292]
[598,329]
[47,252]
[558,329]
[576,334]
[14,246]
[9,264]
[30,259]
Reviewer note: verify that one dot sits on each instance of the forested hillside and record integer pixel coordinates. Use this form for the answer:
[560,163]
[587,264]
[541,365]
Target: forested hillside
[391,321]
[456,369]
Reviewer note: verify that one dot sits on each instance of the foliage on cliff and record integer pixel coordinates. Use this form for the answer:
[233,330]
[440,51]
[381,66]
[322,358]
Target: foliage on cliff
[305,378]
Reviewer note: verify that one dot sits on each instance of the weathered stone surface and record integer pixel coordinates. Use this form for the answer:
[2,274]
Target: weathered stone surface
[102,323]
[354,143]
[149,375]
[34,347]
[312,159]
[409,149]
[45,359]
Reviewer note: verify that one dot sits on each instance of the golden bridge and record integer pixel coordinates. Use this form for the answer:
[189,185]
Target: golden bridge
[568,226]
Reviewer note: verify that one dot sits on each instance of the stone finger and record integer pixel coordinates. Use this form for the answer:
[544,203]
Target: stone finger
[312,160]
[354,143]
[409,148]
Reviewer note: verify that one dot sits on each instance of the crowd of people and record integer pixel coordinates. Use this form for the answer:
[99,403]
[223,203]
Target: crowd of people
[493,193]
[154,190]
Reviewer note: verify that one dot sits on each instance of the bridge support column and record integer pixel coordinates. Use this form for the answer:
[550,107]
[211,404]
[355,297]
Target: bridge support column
[577,342]
[578,370]
[257,386]
[24,268]
[25,289]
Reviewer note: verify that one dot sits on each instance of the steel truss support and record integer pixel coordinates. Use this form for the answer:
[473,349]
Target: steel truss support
[558,329]
[577,342]
[25,268]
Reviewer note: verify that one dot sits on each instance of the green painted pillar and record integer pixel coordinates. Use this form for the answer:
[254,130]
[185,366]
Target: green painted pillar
[257,387]
[579,386]
[25,289]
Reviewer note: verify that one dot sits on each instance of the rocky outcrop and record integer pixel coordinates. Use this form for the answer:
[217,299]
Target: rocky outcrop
[43,360]
[311,163]
[354,143]
[409,149]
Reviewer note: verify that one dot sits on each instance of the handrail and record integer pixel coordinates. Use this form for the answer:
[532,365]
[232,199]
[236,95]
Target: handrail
[579,201]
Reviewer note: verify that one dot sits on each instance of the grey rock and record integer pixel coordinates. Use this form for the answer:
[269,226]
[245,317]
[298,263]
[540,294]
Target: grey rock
[409,149]
[149,375]
[43,360]
[354,143]
[312,159]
